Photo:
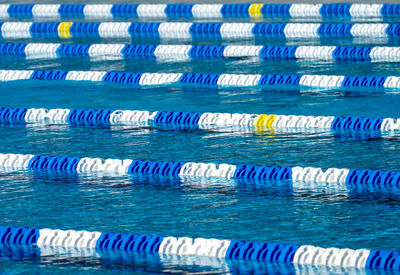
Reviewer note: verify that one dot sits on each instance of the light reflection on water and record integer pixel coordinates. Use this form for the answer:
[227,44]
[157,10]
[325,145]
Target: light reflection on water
[60,260]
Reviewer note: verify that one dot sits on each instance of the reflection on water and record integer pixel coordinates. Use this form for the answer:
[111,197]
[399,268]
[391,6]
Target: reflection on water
[122,261]
[281,133]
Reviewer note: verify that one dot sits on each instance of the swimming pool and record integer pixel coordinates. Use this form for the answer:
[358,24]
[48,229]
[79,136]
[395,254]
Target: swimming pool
[303,213]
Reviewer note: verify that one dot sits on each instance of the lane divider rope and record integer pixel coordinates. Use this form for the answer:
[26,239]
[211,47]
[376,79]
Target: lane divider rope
[297,174]
[194,119]
[187,52]
[337,11]
[197,31]
[243,250]
[206,79]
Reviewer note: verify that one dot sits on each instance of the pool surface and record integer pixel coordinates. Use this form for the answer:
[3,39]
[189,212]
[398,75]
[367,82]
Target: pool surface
[326,216]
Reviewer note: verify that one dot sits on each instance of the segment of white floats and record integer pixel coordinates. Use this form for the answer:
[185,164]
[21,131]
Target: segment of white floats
[317,175]
[199,247]
[68,238]
[312,255]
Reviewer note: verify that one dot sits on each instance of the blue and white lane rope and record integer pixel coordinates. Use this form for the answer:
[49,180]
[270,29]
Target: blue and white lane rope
[208,31]
[185,246]
[194,119]
[297,174]
[200,11]
[207,80]
[187,52]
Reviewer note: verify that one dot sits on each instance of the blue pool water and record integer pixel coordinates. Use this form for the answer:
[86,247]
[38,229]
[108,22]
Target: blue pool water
[362,217]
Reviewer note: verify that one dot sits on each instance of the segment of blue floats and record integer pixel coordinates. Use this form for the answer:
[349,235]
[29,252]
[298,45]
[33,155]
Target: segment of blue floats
[129,242]
[78,116]
[373,177]
[263,172]
[362,123]
[261,251]
[49,75]
[382,259]
[18,235]
[12,115]
[64,164]
[182,118]
[163,168]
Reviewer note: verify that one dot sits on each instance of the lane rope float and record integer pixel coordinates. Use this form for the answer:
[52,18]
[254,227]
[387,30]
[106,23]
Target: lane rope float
[187,52]
[243,250]
[207,80]
[330,176]
[194,120]
[196,31]
[102,11]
